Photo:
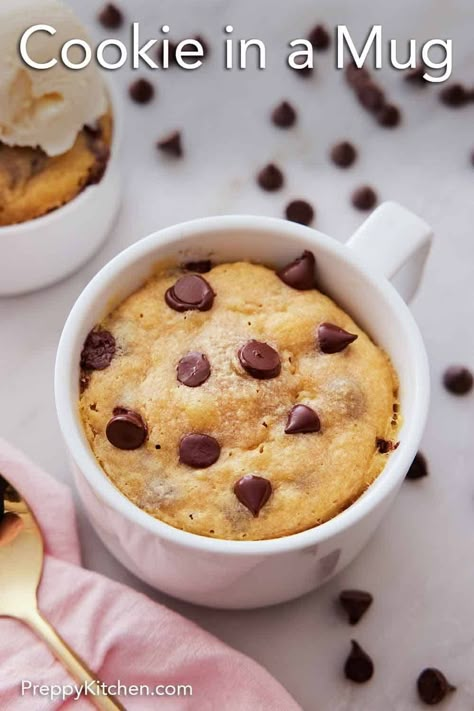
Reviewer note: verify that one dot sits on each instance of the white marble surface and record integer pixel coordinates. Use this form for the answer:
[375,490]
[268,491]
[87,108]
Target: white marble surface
[419,566]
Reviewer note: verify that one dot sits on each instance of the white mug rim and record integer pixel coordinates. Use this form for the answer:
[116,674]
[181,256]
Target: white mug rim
[394,470]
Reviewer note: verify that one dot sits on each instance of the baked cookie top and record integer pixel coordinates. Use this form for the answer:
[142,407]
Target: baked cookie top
[236,402]
[33,183]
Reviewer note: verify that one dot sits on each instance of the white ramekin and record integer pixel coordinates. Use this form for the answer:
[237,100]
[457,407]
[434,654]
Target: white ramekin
[39,252]
[392,243]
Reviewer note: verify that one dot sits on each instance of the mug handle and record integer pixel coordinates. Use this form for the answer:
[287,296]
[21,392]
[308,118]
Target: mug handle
[395,242]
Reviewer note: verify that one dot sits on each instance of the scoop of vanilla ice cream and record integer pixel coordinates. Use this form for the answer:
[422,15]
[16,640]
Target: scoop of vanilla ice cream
[45,107]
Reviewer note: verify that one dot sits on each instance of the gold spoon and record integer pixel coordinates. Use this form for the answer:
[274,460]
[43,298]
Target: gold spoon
[21,563]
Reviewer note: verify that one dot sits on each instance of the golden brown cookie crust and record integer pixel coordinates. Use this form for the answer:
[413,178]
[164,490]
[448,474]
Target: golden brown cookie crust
[314,476]
[33,184]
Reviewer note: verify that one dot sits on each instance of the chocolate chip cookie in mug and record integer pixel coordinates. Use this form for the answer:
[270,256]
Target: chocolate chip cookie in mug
[237,402]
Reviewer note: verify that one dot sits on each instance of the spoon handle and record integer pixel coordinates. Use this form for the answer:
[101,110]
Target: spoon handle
[72,662]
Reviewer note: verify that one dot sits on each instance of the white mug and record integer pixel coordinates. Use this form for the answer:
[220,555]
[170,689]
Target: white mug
[391,245]
[39,252]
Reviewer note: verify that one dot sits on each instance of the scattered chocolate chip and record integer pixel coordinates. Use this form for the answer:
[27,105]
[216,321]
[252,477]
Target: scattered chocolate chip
[260,360]
[171,52]
[98,350]
[454,96]
[302,71]
[190,293]
[199,450]
[333,339]
[253,492]
[270,178]
[193,369]
[284,115]
[343,154]
[110,17]
[385,446]
[300,274]
[357,77]
[355,603]
[458,380]
[415,76]
[418,468]
[201,267]
[433,686]
[300,211]
[204,44]
[302,420]
[358,667]
[126,429]
[364,198]
[171,145]
[141,91]
[319,38]
[371,97]
[389,116]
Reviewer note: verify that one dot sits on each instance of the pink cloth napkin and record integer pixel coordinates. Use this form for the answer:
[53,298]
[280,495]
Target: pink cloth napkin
[121,634]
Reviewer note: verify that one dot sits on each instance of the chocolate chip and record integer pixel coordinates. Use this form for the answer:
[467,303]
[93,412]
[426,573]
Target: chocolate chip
[319,38]
[270,178]
[358,667]
[364,198]
[98,350]
[284,115]
[193,369]
[201,267]
[141,91]
[415,76]
[299,274]
[199,450]
[433,686]
[171,52]
[190,293]
[302,71]
[458,380]
[371,97]
[418,468]
[171,145]
[260,360]
[204,44]
[110,17]
[333,339]
[357,77]
[300,211]
[454,96]
[126,429]
[385,446]
[389,116]
[253,492]
[343,154]
[355,604]
[302,420]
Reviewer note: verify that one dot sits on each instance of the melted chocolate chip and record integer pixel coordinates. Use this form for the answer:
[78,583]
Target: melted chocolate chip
[126,429]
[355,603]
[364,198]
[389,116]
[302,420]
[141,91]
[343,154]
[319,38]
[253,492]
[193,370]
[333,339]
[458,380]
[358,667]
[260,360]
[190,293]
[98,350]
[299,211]
[433,686]
[110,17]
[199,451]
[418,468]
[385,446]
[270,178]
[201,267]
[84,380]
[171,145]
[299,274]
[455,96]
[284,115]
